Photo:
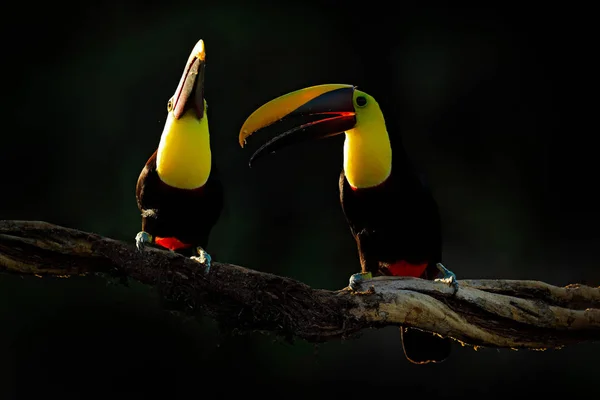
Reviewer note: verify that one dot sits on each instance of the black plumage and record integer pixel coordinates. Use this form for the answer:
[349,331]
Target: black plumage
[398,221]
[185,214]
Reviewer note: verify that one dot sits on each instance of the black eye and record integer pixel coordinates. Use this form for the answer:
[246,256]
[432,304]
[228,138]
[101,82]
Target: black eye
[361,101]
[170,105]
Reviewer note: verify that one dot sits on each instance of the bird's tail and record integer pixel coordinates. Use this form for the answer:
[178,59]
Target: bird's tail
[421,347]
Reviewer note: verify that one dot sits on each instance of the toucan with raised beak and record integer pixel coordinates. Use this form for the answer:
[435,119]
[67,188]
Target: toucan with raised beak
[391,213]
[179,197]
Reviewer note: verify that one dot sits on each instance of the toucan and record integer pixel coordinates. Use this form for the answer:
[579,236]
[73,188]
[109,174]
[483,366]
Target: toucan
[391,213]
[179,197]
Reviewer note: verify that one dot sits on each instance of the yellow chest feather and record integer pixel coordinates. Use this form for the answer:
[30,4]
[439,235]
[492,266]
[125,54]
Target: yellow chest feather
[183,159]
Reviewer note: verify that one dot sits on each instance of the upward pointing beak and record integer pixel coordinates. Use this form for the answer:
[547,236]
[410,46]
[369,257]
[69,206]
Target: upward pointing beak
[319,111]
[190,91]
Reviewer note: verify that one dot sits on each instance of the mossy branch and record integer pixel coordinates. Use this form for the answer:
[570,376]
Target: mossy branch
[492,313]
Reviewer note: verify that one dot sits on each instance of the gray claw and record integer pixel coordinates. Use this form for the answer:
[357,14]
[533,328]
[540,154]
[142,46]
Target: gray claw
[203,258]
[141,239]
[448,277]
[356,278]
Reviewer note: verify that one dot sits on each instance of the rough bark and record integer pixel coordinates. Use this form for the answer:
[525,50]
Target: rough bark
[493,313]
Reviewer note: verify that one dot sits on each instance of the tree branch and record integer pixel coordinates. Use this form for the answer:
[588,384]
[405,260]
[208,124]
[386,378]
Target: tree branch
[494,313]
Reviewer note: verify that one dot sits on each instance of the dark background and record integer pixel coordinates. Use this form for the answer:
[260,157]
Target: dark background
[495,105]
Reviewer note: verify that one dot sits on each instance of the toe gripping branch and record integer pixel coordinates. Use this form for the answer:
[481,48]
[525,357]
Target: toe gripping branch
[203,258]
[355,279]
[141,239]
[446,276]
[144,238]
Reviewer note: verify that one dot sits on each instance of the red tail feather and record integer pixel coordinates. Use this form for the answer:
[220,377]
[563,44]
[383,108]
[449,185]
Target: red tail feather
[404,268]
[171,243]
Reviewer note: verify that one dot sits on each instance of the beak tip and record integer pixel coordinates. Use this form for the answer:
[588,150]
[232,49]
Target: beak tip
[242,138]
[199,50]
[253,159]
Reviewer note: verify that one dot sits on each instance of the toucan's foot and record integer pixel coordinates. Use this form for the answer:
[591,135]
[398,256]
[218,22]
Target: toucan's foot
[141,239]
[447,277]
[356,278]
[203,258]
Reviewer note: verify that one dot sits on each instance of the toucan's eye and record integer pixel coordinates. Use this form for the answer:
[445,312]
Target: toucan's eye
[361,101]
[170,105]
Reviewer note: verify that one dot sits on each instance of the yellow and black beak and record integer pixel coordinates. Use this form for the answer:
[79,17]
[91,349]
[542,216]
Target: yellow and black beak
[315,112]
[190,91]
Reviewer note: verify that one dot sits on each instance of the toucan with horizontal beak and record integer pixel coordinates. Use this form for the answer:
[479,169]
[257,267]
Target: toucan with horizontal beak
[392,215]
[179,197]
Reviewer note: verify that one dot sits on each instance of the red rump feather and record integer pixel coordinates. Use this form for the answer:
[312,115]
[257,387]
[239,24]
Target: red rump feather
[171,243]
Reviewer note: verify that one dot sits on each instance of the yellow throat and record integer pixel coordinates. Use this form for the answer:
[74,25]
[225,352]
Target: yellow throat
[367,149]
[183,159]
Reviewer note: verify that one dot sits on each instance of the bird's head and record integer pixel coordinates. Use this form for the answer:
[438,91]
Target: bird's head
[184,157]
[188,99]
[318,112]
